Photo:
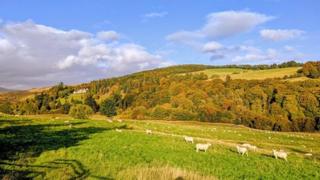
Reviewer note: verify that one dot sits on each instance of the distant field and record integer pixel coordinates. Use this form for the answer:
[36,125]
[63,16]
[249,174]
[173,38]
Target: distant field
[237,73]
[58,147]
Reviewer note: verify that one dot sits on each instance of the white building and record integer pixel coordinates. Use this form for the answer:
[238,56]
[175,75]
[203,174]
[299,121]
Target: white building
[81,91]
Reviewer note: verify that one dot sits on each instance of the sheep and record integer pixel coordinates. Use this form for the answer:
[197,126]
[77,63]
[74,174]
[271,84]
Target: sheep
[253,148]
[202,147]
[280,154]
[148,131]
[308,154]
[66,121]
[119,120]
[118,130]
[242,150]
[249,146]
[188,139]
[109,120]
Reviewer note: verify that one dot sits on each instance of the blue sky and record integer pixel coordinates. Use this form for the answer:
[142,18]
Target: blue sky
[154,33]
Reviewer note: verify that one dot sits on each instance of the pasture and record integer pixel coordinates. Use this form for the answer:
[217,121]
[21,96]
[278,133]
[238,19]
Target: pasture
[237,73]
[59,147]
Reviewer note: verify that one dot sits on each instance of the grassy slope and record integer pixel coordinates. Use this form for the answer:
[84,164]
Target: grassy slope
[237,73]
[93,149]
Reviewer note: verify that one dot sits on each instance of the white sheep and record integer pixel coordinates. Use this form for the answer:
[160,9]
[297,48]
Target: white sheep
[242,150]
[148,131]
[109,120]
[253,148]
[119,120]
[280,154]
[249,146]
[308,154]
[202,147]
[188,139]
[118,130]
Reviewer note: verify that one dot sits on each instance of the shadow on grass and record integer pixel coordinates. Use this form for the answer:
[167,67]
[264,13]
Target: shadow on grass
[21,143]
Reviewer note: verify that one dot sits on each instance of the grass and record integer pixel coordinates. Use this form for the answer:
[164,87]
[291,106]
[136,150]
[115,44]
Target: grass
[46,147]
[237,73]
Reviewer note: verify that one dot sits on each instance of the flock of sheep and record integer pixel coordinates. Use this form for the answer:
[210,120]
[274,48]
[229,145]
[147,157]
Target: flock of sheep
[241,149]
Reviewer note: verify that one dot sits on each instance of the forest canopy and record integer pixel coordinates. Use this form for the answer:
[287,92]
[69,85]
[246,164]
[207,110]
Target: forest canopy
[175,93]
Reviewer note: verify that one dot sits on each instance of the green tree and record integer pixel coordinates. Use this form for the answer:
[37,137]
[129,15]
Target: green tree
[108,108]
[90,101]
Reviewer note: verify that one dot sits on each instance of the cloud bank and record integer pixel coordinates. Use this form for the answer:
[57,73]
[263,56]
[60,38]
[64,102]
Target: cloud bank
[37,55]
[220,26]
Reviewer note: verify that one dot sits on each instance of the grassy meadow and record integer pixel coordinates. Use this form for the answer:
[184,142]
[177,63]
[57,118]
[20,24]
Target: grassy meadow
[59,147]
[238,73]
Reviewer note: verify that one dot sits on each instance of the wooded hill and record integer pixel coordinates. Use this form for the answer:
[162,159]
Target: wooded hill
[178,93]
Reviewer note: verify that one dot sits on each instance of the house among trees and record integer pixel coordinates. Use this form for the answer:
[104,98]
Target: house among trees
[81,91]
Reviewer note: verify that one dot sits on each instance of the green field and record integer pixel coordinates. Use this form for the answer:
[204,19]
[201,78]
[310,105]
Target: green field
[237,73]
[58,147]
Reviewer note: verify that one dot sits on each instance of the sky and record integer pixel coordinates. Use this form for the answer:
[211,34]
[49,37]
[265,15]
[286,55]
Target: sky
[75,41]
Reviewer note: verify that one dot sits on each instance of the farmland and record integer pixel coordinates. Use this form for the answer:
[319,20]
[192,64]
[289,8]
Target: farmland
[59,147]
[238,73]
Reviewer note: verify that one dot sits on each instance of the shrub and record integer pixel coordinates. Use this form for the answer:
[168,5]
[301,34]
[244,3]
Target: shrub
[6,108]
[139,112]
[181,114]
[161,112]
[108,108]
[80,111]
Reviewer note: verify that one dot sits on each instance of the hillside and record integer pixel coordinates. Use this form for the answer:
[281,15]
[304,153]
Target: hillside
[3,90]
[283,97]
[59,147]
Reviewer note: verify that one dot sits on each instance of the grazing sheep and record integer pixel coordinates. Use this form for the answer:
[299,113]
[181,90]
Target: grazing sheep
[242,150]
[109,120]
[246,145]
[202,147]
[249,146]
[253,148]
[66,121]
[188,139]
[118,130]
[119,120]
[308,154]
[148,131]
[280,154]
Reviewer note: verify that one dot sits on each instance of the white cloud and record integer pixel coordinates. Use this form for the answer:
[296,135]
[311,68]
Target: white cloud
[156,14]
[212,46]
[108,35]
[229,23]
[186,37]
[257,57]
[37,55]
[280,34]
[221,25]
